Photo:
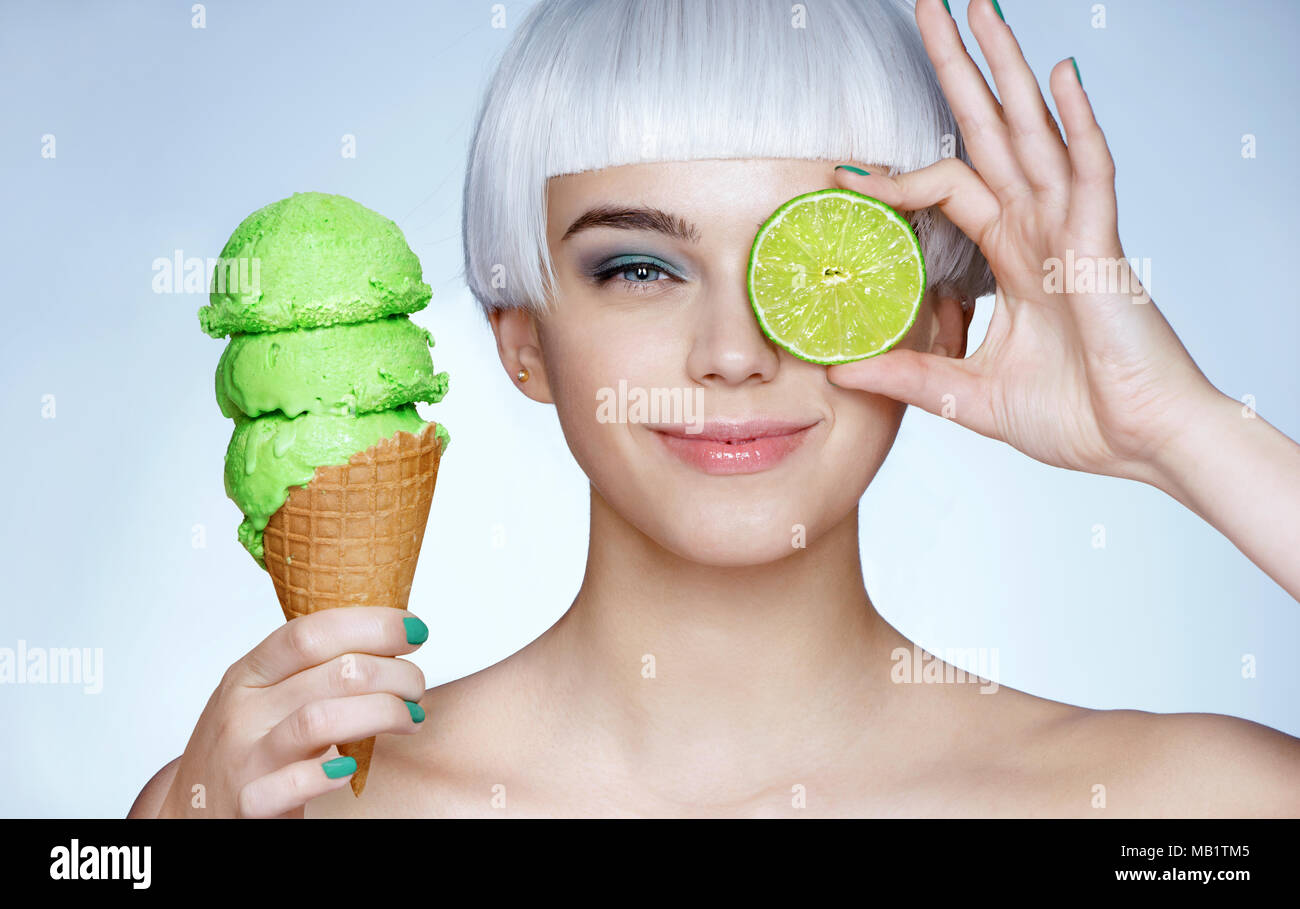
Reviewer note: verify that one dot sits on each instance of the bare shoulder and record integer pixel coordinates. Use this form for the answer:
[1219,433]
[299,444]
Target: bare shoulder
[1027,756]
[149,802]
[1182,764]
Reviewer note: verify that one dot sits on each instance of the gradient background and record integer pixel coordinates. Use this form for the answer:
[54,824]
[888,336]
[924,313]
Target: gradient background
[168,135]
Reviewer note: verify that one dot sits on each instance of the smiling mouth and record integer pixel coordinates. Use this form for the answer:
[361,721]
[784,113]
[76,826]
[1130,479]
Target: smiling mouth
[734,447]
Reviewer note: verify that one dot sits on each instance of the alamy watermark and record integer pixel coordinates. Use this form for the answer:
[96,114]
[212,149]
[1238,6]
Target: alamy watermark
[677,406]
[25,665]
[75,862]
[1098,275]
[918,665]
[181,274]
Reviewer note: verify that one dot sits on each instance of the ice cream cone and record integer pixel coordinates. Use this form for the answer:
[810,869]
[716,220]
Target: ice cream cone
[351,537]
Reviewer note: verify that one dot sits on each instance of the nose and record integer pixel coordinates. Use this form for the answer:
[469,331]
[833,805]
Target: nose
[729,348]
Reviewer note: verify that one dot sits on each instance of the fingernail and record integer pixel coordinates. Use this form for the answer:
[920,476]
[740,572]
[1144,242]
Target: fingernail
[850,167]
[997,9]
[947,7]
[340,766]
[417,712]
[1076,72]
[416,631]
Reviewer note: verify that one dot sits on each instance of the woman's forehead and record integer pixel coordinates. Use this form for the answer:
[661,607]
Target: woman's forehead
[666,174]
[714,190]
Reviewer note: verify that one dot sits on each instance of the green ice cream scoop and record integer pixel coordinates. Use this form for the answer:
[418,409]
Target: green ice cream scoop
[271,454]
[312,260]
[343,370]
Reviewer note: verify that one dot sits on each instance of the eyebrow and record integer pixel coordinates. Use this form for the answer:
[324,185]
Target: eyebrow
[636,218]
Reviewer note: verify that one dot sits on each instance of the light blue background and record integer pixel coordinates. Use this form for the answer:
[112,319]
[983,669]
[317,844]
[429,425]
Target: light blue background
[167,136]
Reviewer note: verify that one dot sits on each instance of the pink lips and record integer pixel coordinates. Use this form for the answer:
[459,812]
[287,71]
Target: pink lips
[730,447]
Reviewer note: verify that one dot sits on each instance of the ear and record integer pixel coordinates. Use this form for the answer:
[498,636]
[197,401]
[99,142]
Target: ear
[953,313]
[519,347]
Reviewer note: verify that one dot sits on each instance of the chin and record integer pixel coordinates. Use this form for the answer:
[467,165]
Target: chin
[727,534]
[731,553]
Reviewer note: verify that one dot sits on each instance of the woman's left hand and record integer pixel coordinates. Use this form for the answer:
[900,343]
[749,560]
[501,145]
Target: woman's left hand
[1087,379]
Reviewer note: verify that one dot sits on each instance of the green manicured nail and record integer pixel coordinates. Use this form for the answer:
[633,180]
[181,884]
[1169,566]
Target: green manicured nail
[340,766]
[947,7]
[856,170]
[1076,72]
[417,712]
[997,9]
[416,631]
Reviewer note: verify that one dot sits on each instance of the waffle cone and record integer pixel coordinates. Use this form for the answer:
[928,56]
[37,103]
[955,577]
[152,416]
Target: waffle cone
[351,537]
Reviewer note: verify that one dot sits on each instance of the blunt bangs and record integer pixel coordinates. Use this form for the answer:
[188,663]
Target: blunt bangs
[590,84]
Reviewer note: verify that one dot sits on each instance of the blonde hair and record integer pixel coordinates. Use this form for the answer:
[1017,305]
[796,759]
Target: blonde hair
[589,84]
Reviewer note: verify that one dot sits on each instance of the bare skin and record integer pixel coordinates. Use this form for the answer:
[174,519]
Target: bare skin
[773,691]
[723,732]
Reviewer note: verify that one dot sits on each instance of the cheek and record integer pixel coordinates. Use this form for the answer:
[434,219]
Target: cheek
[587,355]
[586,360]
[865,428]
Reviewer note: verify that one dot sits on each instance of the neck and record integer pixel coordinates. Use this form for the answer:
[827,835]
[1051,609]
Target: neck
[658,652]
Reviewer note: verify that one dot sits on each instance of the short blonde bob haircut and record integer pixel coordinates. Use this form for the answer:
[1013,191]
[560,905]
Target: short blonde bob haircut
[589,84]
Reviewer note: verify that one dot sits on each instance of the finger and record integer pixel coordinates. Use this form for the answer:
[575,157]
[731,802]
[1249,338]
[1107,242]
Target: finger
[977,111]
[293,786]
[1093,210]
[310,640]
[1035,137]
[950,184]
[938,384]
[316,725]
[348,675]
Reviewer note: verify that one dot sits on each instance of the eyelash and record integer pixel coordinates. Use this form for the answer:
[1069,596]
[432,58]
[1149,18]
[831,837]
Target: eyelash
[606,275]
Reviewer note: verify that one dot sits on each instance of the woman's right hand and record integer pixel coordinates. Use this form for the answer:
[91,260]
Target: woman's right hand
[315,681]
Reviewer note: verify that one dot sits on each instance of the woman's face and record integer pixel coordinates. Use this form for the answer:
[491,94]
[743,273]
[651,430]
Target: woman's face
[651,302]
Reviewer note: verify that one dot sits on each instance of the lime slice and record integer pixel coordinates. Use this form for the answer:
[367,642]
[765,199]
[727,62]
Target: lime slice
[836,276]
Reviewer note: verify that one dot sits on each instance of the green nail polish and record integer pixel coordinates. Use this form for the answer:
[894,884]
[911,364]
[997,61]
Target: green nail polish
[416,631]
[856,170]
[997,9]
[1076,72]
[340,766]
[947,7]
[417,712]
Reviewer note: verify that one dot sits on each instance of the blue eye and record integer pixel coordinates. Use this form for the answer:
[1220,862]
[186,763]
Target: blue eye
[642,273]
[634,273]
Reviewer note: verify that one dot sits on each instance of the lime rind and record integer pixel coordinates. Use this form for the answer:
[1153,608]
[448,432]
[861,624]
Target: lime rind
[800,320]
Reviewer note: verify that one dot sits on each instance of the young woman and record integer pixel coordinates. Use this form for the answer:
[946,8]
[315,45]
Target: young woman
[722,657]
